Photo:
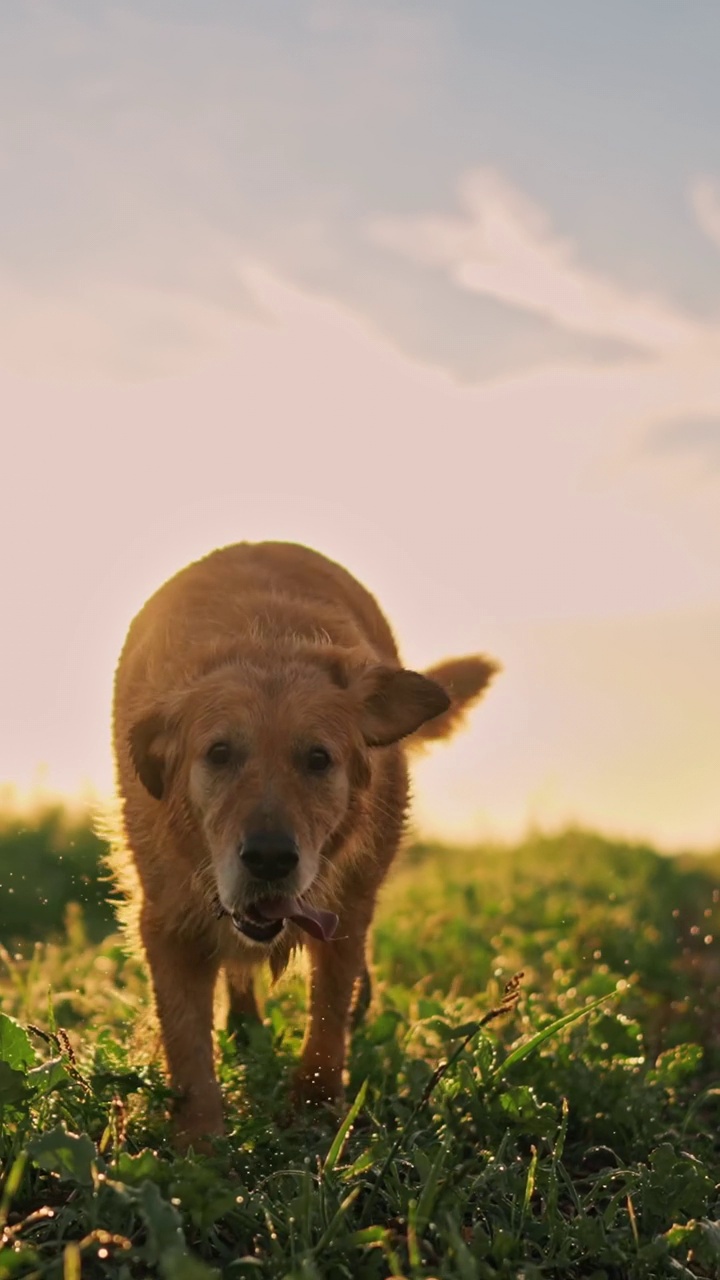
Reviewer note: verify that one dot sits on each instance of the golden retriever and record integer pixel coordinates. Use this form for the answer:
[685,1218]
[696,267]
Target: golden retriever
[261,715]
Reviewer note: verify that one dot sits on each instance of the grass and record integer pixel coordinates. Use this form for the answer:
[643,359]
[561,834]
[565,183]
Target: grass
[575,1134]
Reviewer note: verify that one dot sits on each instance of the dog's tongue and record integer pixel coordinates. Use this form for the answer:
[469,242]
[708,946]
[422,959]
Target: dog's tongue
[320,924]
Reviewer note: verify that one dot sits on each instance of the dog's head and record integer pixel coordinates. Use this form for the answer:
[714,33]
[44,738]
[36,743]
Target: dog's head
[270,762]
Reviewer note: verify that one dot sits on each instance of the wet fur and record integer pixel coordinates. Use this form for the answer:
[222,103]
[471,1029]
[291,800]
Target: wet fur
[281,622]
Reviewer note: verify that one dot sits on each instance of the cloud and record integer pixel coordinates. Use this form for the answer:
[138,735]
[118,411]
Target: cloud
[698,436]
[502,246]
[705,200]
[121,330]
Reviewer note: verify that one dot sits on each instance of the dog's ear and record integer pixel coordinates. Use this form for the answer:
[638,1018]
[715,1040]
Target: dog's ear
[466,680]
[150,752]
[394,703]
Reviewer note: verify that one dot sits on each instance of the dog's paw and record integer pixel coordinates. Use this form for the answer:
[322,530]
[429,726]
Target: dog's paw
[196,1128]
[200,1142]
[313,1089]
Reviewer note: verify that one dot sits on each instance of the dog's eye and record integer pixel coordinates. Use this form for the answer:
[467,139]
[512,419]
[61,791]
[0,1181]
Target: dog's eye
[318,760]
[219,753]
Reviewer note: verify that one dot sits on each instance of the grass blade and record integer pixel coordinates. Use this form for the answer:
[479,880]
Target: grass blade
[428,1195]
[529,1046]
[562,1132]
[529,1186]
[340,1138]
[335,1221]
[72,1265]
[12,1184]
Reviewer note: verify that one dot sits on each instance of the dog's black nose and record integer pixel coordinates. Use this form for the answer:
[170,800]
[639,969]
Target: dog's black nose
[269,855]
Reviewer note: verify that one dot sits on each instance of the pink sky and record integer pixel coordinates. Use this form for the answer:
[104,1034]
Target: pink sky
[436,292]
[483,518]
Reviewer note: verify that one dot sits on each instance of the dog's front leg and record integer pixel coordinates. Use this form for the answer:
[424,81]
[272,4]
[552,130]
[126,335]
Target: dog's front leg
[335,968]
[183,977]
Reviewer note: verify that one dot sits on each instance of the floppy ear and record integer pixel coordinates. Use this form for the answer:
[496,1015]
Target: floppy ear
[149,751]
[395,703]
[466,680]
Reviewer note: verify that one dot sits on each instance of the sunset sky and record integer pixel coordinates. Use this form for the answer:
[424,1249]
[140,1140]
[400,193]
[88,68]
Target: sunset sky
[432,287]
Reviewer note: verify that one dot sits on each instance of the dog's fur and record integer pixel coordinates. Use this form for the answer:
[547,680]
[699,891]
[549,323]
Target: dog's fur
[271,650]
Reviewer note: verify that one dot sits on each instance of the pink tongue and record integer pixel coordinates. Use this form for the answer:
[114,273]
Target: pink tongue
[320,924]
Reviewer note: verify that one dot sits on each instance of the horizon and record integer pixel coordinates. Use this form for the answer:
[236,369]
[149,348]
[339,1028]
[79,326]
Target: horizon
[99,813]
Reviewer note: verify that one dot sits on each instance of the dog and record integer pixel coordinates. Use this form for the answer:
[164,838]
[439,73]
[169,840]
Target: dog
[261,717]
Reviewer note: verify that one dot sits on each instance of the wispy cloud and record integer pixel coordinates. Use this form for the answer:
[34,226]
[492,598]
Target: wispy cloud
[705,200]
[502,245]
[697,435]
[120,330]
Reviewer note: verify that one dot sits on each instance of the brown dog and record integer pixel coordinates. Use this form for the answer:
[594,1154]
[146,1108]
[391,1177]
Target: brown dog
[259,722]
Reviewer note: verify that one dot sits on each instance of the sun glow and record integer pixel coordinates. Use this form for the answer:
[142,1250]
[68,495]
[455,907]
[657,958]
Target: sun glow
[483,517]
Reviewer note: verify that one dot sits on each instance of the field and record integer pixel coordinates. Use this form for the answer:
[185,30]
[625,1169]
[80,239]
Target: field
[564,1123]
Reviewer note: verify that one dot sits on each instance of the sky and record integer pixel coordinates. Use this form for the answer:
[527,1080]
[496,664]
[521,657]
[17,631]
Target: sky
[433,288]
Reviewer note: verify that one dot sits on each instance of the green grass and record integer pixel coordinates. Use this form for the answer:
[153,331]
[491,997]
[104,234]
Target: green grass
[575,1135]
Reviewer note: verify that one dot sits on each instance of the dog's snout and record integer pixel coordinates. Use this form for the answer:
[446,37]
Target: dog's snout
[269,855]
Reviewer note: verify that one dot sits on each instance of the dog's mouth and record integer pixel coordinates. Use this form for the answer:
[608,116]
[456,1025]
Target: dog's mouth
[254,927]
[264,920]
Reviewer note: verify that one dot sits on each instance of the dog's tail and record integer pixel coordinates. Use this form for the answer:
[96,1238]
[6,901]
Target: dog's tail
[465,681]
